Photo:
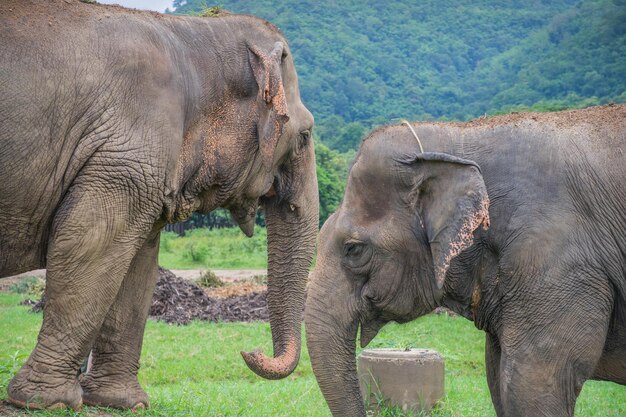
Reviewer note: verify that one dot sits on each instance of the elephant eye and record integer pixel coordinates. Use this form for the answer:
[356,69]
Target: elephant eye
[352,249]
[357,255]
[303,140]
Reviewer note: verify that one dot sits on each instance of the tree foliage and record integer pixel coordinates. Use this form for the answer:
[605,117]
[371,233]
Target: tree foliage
[366,63]
[332,170]
[363,63]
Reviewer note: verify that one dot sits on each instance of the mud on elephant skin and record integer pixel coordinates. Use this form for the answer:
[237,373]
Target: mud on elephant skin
[114,122]
[516,222]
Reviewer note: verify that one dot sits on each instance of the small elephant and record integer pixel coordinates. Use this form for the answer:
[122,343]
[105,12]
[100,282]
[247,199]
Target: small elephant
[517,223]
[115,122]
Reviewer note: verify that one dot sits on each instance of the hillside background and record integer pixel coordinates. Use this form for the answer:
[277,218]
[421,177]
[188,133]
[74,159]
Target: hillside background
[365,63]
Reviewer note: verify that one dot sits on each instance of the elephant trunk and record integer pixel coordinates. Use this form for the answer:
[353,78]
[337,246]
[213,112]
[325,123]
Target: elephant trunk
[291,231]
[331,330]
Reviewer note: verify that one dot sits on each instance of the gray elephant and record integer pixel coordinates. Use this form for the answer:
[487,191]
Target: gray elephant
[114,122]
[517,223]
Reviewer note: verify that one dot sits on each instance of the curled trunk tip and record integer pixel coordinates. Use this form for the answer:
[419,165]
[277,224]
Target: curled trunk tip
[277,367]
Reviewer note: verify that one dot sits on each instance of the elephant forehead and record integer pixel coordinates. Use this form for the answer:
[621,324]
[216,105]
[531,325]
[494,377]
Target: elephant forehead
[367,210]
[368,197]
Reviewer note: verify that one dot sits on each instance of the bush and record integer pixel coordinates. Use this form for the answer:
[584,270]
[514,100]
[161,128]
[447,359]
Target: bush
[210,280]
[166,241]
[33,286]
[259,279]
[197,251]
[214,249]
[212,11]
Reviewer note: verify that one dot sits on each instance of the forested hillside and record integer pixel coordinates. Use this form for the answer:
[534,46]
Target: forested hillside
[366,62]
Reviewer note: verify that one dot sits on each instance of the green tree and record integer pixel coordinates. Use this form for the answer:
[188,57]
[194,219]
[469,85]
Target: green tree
[332,169]
[346,137]
[187,6]
[360,62]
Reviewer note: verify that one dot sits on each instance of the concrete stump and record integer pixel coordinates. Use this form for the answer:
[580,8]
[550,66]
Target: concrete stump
[410,379]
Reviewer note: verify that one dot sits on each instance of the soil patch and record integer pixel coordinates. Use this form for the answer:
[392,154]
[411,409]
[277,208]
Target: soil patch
[237,289]
[7,282]
[225,275]
[179,301]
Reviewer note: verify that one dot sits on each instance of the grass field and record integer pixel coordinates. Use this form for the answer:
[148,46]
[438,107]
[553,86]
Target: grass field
[196,370]
[218,248]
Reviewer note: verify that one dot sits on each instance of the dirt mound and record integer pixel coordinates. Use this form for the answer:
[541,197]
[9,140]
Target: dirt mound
[235,290]
[178,301]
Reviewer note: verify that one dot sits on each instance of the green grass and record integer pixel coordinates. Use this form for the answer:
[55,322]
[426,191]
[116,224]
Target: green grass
[196,370]
[218,249]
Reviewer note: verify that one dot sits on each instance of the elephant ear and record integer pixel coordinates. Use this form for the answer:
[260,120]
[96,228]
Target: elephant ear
[452,201]
[271,101]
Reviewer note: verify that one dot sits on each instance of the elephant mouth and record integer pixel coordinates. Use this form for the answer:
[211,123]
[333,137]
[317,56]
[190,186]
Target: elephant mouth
[369,329]
[245,217]
[373,320]
[244,211]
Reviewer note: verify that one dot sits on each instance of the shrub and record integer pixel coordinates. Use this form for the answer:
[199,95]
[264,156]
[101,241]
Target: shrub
[212,11]
[197,251]
[210,280]
[259,279]
[33,286]
[166,241]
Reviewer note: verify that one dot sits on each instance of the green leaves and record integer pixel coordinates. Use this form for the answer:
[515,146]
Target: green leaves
[361,64]
[332,169]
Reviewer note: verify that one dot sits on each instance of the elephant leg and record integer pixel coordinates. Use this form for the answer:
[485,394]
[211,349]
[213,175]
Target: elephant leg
[532,387]
[93,241]
[545,364]
[112,380]
[492,363]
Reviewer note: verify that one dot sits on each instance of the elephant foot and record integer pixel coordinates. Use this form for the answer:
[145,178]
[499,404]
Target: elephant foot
[40,390]
[122,393]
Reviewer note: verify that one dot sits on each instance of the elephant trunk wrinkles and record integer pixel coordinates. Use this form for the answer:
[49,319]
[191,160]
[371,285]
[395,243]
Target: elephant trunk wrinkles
[291,232]
[331,331]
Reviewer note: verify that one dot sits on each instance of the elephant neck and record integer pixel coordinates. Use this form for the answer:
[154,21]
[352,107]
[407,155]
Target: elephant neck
[471,287]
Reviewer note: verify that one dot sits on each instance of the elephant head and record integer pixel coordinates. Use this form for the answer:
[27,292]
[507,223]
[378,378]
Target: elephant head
[254,148]
[291,204]
[383,256]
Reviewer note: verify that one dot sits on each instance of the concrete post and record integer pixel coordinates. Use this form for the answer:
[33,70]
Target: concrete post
[410,379]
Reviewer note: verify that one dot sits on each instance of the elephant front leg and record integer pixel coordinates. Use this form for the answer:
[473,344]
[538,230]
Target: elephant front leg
[112,380]
[544,363]
[492,363]
[86,266]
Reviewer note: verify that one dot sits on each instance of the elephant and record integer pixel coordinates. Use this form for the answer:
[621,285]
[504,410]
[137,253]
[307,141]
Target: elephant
[515,222]
[114,123]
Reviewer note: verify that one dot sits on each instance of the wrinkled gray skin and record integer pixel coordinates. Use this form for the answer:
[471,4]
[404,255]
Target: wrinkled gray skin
[114,122]
[543,274]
